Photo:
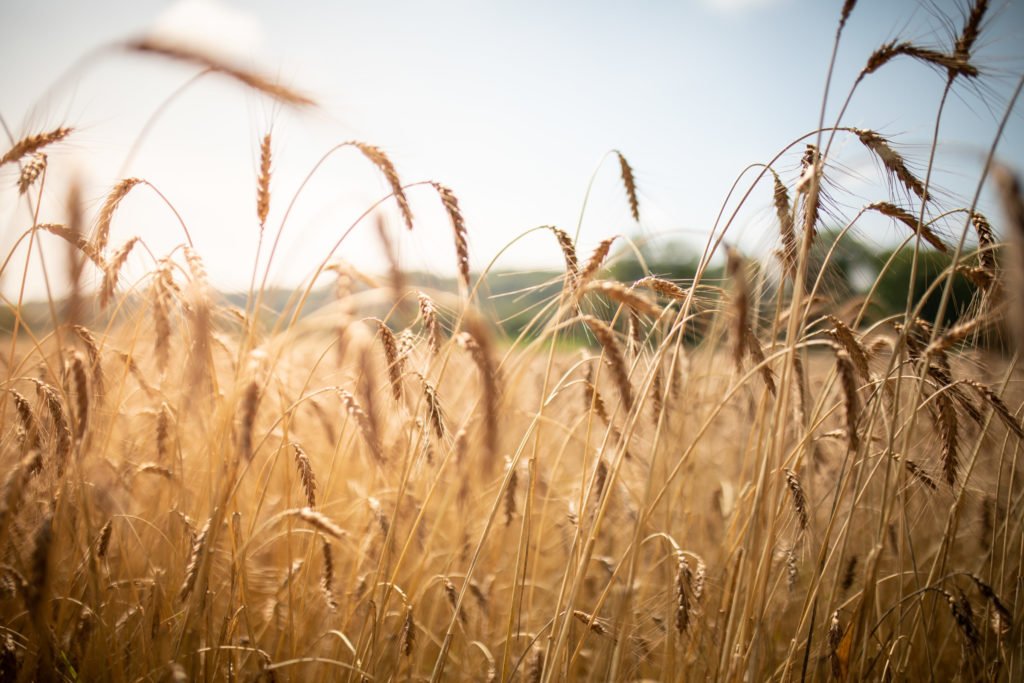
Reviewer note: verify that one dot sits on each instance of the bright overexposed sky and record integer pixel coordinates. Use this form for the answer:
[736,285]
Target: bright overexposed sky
[511,104]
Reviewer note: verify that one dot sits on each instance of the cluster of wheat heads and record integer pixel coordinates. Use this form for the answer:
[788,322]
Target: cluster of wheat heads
[732,477]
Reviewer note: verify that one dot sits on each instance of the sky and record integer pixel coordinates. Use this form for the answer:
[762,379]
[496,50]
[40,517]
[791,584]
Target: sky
[514,105]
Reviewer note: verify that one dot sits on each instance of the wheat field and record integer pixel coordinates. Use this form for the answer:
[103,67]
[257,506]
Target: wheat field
[748,474]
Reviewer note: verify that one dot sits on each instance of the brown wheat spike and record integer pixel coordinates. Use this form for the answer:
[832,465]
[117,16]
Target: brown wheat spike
[452,593]
[572,265]
[163,286]
[787,231]
[319,521]
[366,425]
[684,578]
[986,244]
[378,515]
[848,340]
[81,383]
[948,432]
[27,417]
[33,143]
[408,640]
[757,354]
[893,163]
[661,286]
[39,567]
[164,432]
[594,262]
[61,424]
[74,239]
[629,181]
[849,574]
[850,399]
[956,65]
[327,577]
[535,671]
[918,473]
[118,193]
[799,499]
[971,30]
[194,561]
[31,171]
[592,397]
[379,159]
[395,363]
[657,394]
[740,302]
[510,490]
[1002,410]
[616,291]
[250,404]
[835,637]
[998,605]
[263,182]
[137,373]
[434,410]
[600,478]
[306,475]
[908,219]
[451,207]
[845,14]
[113,269]
[429,313]
[248,78]
[613,356]
[595,624]
[954,335]
[477,341]
[963,615]
[811,169]
[103,544]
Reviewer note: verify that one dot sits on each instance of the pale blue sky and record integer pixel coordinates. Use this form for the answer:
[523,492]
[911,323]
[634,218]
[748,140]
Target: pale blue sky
[512,104]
